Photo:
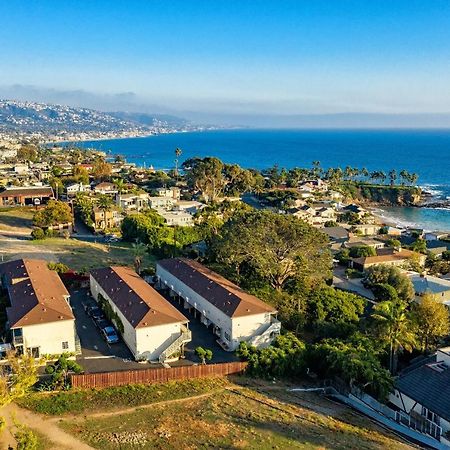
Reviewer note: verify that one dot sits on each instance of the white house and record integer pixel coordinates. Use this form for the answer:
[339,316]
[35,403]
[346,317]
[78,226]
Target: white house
[422,397]
[436,235]
[133,202]
[153,329]
[40,317]
[234,315]
[160,202]
[77,187]
[176,218]
[172,192]
[105,188]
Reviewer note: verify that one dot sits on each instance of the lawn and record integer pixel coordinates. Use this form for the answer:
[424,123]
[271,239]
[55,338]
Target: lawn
[233,419]
[95,400]
[16,219]
[80,255]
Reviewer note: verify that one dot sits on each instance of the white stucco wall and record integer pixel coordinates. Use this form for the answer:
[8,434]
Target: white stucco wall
[238,328]
[147,342]
[407,405]
[50,336]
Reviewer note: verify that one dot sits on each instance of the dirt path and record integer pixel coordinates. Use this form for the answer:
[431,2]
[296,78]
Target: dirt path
[60,439]
[132,409]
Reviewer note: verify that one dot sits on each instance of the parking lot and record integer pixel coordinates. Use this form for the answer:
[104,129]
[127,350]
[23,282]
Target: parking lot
[201,337]
[97,355]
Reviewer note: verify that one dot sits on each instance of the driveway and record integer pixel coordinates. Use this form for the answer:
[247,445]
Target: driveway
[97,355]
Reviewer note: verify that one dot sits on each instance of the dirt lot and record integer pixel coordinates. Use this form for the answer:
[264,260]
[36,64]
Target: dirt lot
[76,254]
[16,219]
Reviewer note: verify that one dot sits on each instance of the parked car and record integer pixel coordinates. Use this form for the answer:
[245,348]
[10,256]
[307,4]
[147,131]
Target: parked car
[102,323]
[95,312]
[110,335]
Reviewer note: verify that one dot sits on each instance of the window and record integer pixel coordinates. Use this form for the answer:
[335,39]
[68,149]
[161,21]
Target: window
[65,345]
[227,336]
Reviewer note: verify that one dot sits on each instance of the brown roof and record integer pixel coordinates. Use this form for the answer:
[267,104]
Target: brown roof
[217,290]
[141,305]
[36,293]
[38,191]
[392,257]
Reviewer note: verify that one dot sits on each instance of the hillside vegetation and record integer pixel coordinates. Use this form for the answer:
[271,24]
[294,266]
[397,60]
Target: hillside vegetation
[396,195]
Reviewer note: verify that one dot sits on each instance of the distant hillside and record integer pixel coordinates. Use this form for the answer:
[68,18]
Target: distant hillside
[151,119]
[45,121]
[30,117]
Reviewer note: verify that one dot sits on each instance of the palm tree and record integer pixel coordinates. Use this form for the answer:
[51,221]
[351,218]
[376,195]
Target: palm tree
[178,153]
[395,327]
[139,249]
[393,176]
[104,203]
[120,185]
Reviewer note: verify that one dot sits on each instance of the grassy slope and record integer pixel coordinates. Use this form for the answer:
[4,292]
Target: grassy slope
[231,416]
[16,219]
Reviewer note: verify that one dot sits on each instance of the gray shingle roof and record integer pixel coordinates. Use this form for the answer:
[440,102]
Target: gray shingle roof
[429,387]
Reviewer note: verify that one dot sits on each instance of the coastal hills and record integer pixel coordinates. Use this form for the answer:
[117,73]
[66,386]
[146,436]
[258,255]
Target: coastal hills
[58,122]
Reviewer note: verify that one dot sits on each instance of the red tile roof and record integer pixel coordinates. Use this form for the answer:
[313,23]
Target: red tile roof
[36,293]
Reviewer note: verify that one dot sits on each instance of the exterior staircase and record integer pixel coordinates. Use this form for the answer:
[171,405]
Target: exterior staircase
[184,338]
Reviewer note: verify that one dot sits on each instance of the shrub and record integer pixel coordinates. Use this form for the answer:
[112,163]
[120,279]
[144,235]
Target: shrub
[26,439]
[38,234]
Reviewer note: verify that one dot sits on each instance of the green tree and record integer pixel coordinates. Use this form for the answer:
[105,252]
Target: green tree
[205,176]
[26,439]
[17,377]
[362,250]
[355,361]
[420,246]
[104,202]
[394,326]
[54,213]
[432,321]
[277,248]
[81,174]
[387,274]
[204,354]
[139,249]
[120,185]
[332,305]
[61,369]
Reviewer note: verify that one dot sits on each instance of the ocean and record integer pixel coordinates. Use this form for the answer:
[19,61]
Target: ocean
[426,152]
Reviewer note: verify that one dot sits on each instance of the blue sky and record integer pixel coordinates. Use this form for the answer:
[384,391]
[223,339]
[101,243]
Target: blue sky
[233,57]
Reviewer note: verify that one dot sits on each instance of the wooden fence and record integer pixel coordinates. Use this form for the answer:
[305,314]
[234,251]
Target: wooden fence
[160,375]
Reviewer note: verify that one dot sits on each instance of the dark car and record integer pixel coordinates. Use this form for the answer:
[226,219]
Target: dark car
[95,312]
[102,323]
[110,335]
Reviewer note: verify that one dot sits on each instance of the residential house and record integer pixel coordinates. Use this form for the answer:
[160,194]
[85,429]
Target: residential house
[393,231]
[153,329]
[172,192]
[26,196]
[361,242]
[39,316]
[337,235]
[422,397]
[366,229]
[75,188]
[436,235]
[233,314]
[161,202]
[105,219]
[427,284]
[106,188]
[133,202]
[390,257]
[189,206]
[21,169]
[176,218]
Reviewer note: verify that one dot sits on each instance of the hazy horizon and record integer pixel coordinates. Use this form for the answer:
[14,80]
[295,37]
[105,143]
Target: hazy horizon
[263,63]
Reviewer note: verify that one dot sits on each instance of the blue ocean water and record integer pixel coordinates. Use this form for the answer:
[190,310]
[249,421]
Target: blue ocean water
[426,152]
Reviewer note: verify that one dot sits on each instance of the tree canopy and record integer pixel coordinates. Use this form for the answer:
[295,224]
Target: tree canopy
[276,248]
[387,274]
[54,213]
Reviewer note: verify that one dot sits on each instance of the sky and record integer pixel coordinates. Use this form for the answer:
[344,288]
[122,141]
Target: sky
[240,58]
